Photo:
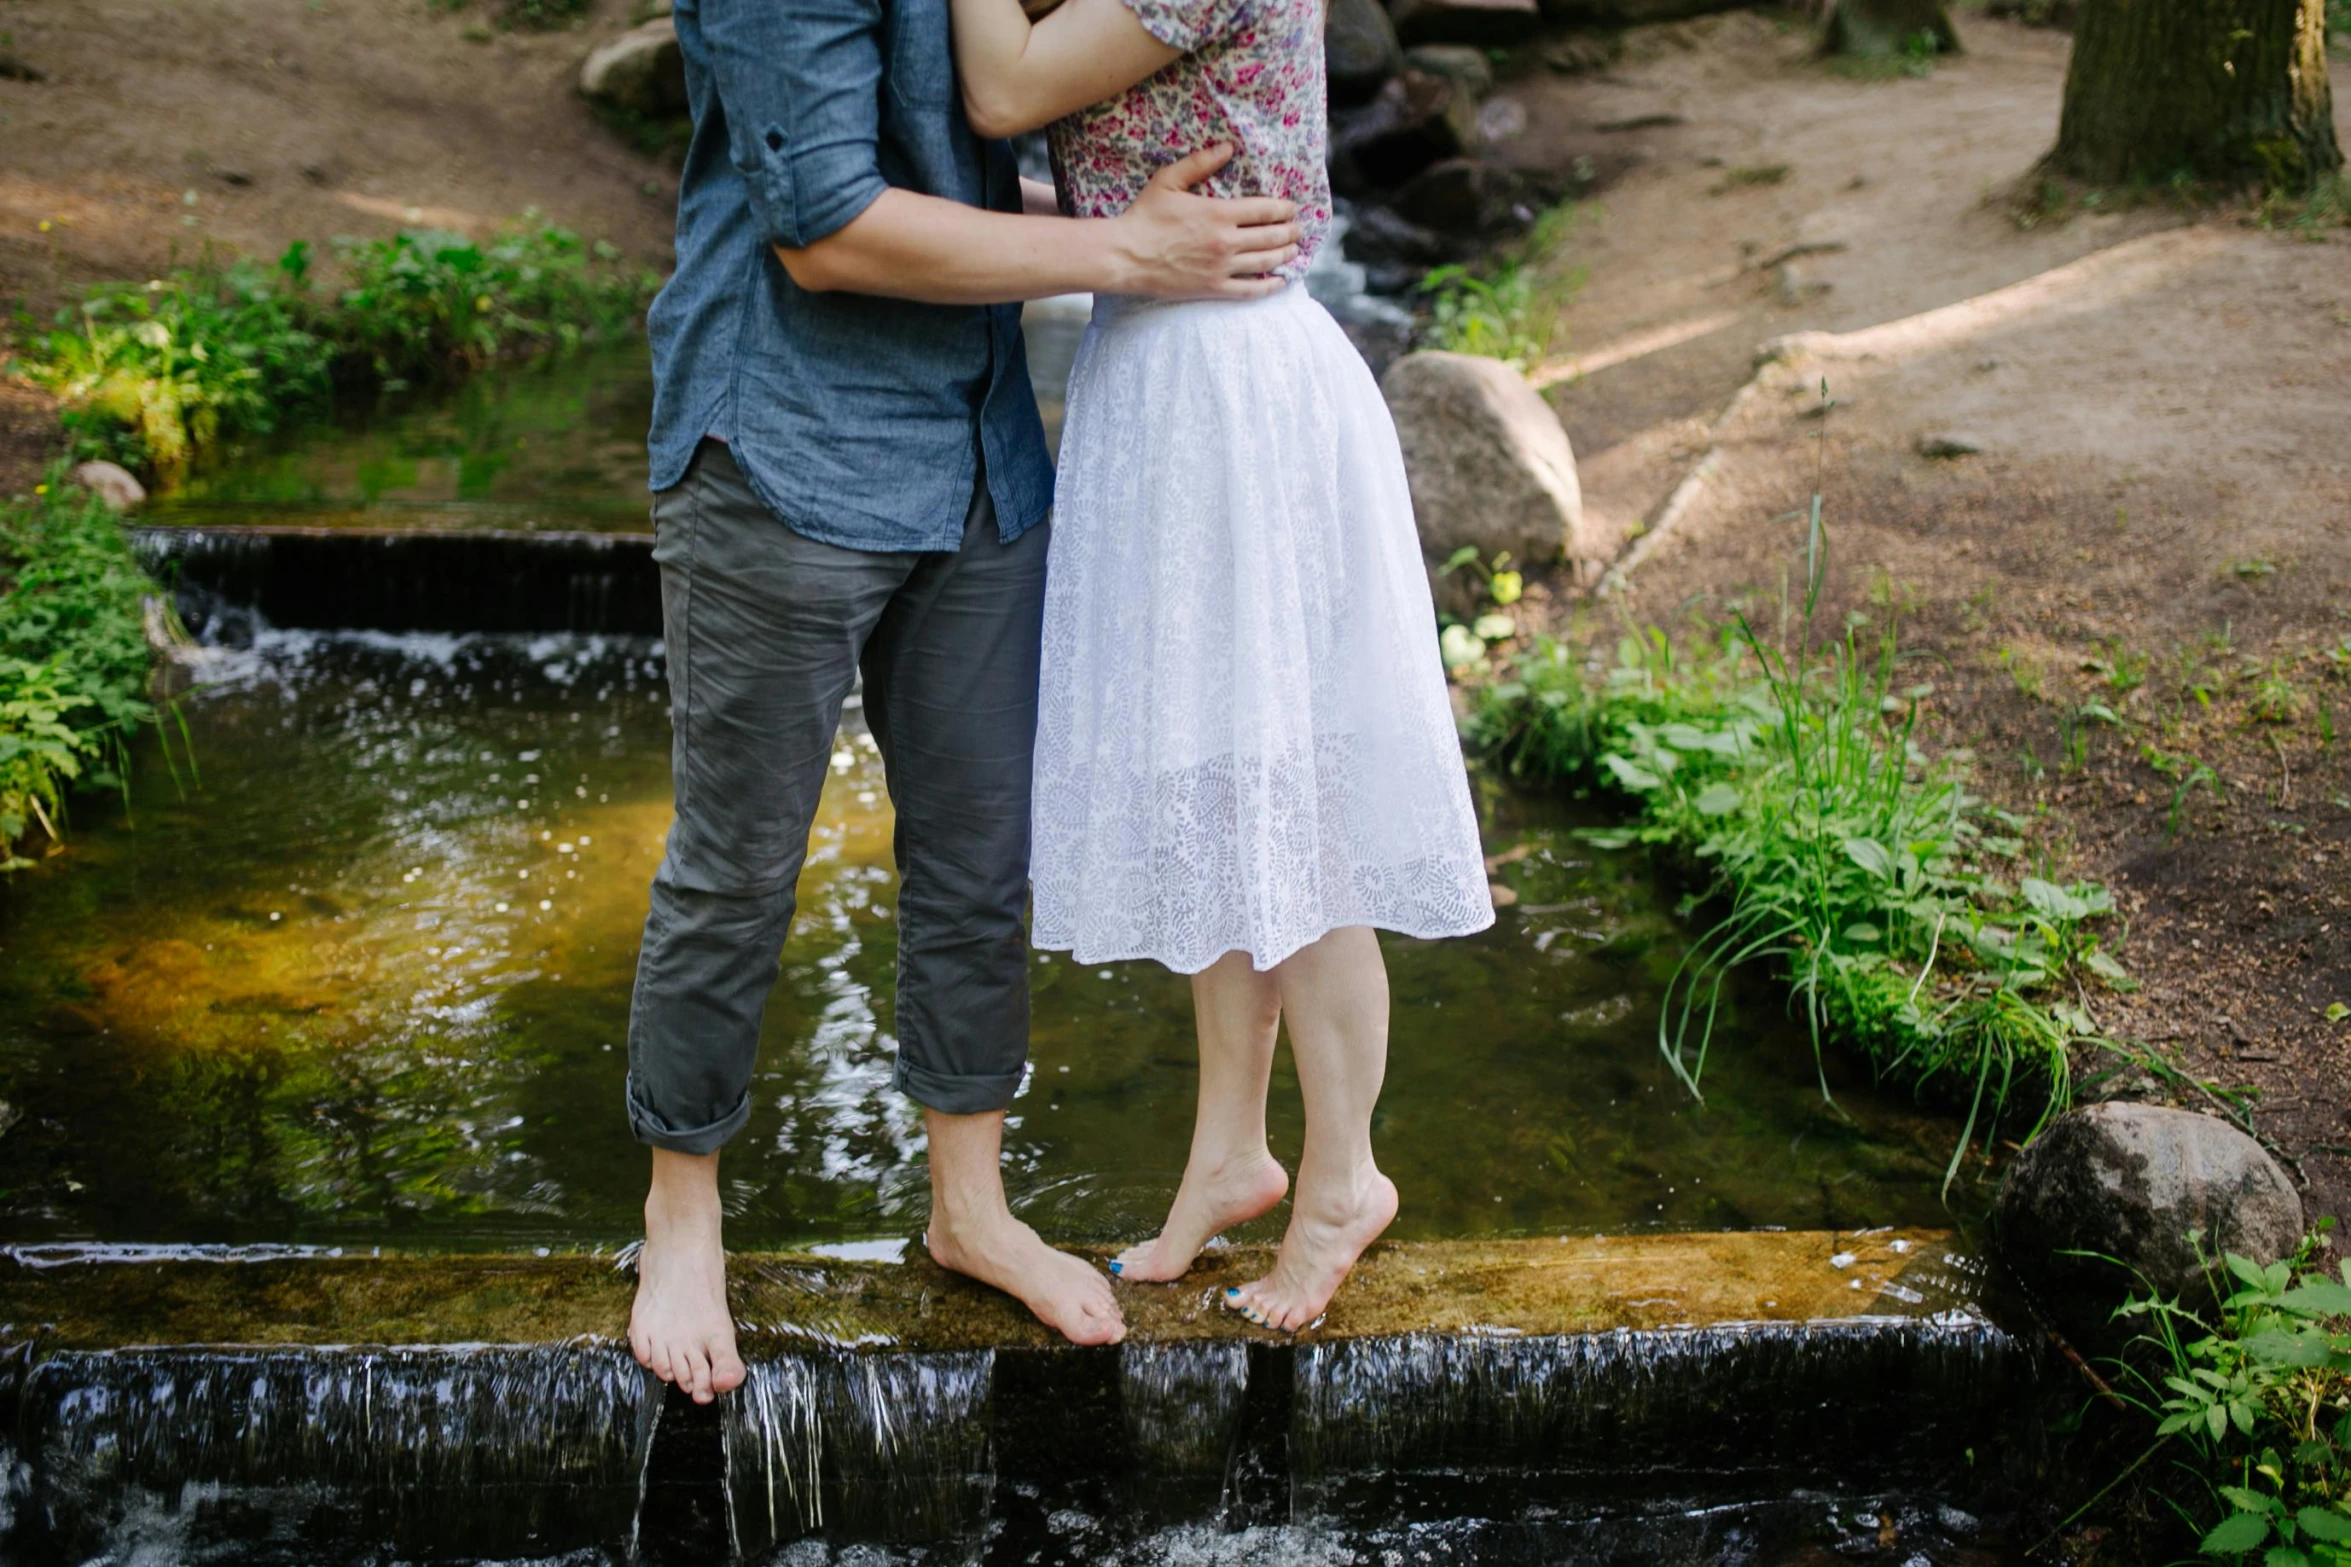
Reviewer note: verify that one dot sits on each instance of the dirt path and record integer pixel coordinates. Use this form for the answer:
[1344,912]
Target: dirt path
[2157,527]
[162,126]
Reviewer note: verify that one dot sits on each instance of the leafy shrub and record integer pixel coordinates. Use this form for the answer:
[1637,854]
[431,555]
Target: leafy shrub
[74,658]
[154,374]
[2262,1403]
[1859,866]
[1488,317]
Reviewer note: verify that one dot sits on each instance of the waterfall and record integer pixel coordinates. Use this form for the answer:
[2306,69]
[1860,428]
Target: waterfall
[250,1455]
[1424,1424]
[859,1447]
[1181,1406]
[369,579]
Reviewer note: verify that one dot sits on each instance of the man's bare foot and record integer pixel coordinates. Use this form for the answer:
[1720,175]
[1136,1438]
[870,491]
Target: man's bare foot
[680,1327]
[1068,1296]
[1206,1205]
[1328,1231]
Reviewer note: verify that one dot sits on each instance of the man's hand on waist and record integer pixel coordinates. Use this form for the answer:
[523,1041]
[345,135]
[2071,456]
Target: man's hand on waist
[1175,244]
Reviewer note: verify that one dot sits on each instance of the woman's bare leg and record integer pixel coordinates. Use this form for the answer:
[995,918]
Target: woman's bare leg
[1334,995]
[1230,1177]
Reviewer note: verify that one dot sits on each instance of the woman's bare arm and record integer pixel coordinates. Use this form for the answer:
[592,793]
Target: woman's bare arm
[1018,74]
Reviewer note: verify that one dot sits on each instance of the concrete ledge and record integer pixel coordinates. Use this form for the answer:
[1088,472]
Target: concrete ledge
[795,1301]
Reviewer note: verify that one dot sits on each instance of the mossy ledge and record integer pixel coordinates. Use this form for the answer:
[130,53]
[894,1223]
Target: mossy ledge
[789,1301]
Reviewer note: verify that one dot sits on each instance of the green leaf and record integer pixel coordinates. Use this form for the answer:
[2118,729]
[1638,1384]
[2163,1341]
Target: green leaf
[2283,1556]
[2244,1501]
[2236,1533]
[1631,774]
[1717,799]
[2337,1011]
[2318,1298]
[1871,856]
[2324,1523]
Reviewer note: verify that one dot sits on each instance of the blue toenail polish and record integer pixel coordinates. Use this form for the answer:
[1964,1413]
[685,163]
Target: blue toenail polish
[1233,1293]
[1118,1267]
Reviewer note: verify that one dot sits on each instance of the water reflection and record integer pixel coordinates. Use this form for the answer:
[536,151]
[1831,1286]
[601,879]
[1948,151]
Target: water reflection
[369,981]
[558,444]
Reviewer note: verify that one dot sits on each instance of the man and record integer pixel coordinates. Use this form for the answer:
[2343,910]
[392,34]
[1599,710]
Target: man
[850,477]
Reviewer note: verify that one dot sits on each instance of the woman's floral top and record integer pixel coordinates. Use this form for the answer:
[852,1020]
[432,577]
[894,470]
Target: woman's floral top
[1252,74]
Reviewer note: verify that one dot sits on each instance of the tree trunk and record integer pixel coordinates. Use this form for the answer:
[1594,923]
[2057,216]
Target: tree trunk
[1884,29]
[2223,90]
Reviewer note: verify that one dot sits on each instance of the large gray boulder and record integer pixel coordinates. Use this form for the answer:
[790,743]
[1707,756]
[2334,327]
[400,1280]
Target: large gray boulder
[640,71]
[1489,465]
[2129,1182]
[1359,49]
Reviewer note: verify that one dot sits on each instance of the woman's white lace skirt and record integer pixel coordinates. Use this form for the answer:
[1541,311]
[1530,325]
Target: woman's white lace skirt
[1244,740]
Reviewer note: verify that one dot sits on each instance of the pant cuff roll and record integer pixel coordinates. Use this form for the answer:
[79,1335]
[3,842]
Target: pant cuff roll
[656,1132]
[951,1094]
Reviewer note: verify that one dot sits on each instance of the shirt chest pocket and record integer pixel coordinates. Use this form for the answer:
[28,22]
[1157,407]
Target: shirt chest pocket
[922,64]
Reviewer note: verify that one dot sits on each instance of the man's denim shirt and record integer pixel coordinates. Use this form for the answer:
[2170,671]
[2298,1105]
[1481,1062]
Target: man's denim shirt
[860,421]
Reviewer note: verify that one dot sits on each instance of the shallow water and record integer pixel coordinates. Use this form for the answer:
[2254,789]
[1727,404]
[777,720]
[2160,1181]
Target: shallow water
[557,445]
[366,982]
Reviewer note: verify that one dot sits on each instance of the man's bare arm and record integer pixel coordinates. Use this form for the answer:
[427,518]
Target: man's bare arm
[1170,244]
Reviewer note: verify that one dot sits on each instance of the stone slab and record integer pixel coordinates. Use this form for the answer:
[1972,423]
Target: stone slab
[1595,1284]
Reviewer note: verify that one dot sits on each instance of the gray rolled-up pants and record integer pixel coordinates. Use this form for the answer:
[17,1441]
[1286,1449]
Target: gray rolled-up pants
[767,631]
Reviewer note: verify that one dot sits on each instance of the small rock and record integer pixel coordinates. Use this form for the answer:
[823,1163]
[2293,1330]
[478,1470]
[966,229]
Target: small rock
[2128,1182]
[1464,67]
[1948,443]
[1409,124]
[1489,465]
[1486,23]
[1501,120]
[1794,286]
[1580,53]
[1461,196]
[1382,234]
[641,70]
[114,485]
[1360,51]
[1502,896]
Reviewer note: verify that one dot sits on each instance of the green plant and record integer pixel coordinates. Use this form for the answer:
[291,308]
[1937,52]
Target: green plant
[154,374]
[2276,699]
[1858,866]
[74,657]
[2260,1398]
[2186,774]
[1510,311]
[1464,647]
[1746,175]
[1490,317]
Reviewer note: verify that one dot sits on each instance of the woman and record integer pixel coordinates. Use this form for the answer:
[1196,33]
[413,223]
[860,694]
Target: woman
[1246,759]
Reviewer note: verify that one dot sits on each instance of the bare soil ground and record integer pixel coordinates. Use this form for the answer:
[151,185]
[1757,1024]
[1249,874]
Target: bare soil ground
[162,126]
[2144,572]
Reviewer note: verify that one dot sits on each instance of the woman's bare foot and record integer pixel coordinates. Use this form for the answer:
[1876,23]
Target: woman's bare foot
[1067,1295]
[1208,1203]
[680,1327]
[1328,1231]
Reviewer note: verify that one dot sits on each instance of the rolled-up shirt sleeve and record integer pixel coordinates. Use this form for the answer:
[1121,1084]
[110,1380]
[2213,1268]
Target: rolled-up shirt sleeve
[800,82]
